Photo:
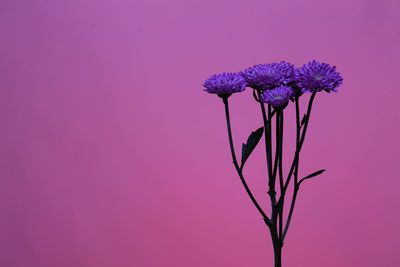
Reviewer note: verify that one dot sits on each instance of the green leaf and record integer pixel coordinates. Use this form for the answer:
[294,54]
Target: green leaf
[252,142]
[312,175]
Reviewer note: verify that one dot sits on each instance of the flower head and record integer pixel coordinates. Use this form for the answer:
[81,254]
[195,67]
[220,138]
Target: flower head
[315,76]
[267,76]
[278,96]
[225,84]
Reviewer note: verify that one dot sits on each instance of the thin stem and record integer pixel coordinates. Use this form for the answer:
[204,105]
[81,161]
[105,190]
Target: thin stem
[301,140]
[228,122]
[280,133]
[277,247]
[296,161]
[299,143]
[269,148]
[267,128]
[275,165]
[276,209]
[298,128]
[270,140]
[307,118]
[276,161]
[296,189]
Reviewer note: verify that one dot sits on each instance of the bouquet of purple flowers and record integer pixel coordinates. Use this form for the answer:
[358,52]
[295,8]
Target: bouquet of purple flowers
[275,84]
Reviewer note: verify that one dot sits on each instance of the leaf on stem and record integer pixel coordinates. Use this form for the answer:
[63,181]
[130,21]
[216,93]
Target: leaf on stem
[252,142]
[311,175]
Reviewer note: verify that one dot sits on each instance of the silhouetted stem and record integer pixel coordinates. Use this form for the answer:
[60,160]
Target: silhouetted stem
[269,146]
[279,133]
[235,163]
[300,141]
[303,135]
[295,164]
[268,150]
[277,247]
[295,190]
[298,128]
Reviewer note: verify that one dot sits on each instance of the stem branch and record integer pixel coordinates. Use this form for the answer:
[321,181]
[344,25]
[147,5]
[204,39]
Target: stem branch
[239,171]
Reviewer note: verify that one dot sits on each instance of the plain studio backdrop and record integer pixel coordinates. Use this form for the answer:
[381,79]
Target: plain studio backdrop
[112,155]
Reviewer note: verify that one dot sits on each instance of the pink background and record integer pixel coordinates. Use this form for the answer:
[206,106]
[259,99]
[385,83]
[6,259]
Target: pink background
[112,155]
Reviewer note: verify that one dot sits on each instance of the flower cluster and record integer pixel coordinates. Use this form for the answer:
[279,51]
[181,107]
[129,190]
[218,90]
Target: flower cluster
[276,83]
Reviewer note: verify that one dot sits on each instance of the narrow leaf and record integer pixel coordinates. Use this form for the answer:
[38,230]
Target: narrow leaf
[312,175]
[252,142]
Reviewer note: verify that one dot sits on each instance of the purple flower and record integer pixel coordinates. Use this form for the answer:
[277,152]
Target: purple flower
[315,76]
[278,96]
[267,76]
[225,84]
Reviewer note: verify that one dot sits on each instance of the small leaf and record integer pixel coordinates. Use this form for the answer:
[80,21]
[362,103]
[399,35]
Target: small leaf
[312,175]
[303,120]
[252,142]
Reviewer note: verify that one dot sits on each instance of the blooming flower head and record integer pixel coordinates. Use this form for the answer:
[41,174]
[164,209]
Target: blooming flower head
[315,76]
[278,96]
[267,76]
[225,84]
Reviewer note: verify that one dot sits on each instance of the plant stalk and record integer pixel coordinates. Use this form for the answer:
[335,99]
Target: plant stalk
[235,163]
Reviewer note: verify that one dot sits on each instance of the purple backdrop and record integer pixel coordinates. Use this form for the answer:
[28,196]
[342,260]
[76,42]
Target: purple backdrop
[112,155]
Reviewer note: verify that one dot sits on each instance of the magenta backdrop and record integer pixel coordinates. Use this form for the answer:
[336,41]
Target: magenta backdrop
[112,155]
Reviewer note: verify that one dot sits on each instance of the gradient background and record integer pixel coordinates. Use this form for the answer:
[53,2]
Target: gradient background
[112,155]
